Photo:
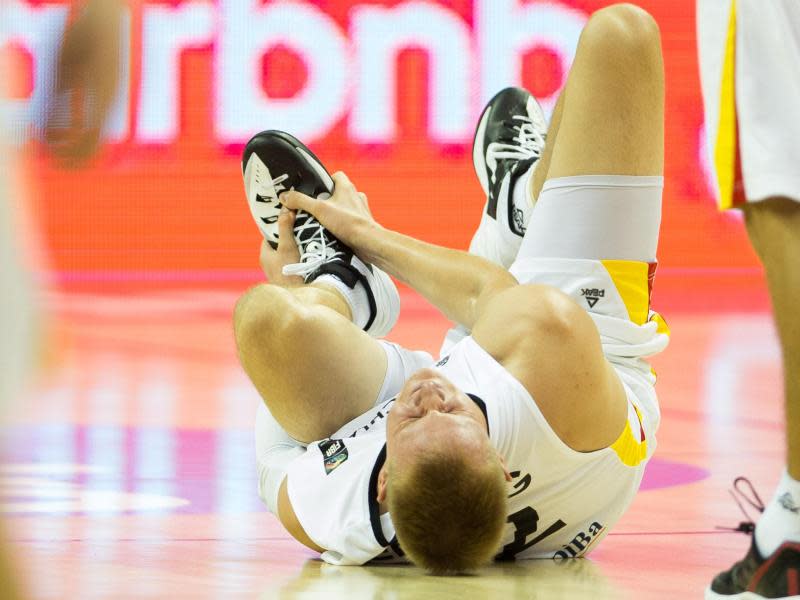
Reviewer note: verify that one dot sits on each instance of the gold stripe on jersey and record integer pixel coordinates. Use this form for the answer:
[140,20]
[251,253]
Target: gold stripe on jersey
[661,323]
[631,447]
[725,146]
[631,280]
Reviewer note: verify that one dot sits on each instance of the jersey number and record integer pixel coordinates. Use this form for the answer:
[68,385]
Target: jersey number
[526,523]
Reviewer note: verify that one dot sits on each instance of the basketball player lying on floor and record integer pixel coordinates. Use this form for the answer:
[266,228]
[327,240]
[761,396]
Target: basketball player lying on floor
[529,437]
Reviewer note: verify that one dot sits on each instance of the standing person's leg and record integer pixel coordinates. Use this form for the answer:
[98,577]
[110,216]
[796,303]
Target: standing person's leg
[774,229]
[752,120]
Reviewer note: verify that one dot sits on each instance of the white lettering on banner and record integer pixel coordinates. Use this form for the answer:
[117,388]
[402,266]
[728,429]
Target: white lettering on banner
[31,28]
[38,30]
[117,126]
[166,32]
[351,73]
[378,35]
[506,30]
[248,31]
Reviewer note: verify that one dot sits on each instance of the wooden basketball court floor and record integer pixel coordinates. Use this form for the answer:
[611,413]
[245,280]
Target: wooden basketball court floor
[129,468]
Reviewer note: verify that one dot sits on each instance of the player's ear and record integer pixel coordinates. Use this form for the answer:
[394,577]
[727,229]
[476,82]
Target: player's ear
[383,482]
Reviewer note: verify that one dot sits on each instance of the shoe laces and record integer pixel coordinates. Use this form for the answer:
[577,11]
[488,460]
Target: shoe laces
[745,496]
[527,143]
[277,183]
[316,246]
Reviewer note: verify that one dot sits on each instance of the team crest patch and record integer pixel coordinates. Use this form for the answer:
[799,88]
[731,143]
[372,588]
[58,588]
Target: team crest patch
[334,453]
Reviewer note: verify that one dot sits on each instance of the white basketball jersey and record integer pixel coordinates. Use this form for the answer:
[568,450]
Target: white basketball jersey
[560,502]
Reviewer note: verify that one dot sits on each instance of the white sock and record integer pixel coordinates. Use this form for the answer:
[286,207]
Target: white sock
[781,520]
[355,297]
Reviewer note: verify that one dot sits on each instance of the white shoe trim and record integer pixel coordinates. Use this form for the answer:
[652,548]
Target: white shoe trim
[478,157]
[258,181]
[387,299]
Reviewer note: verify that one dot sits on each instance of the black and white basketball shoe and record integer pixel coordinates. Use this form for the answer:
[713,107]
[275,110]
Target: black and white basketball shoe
[509,140]
[274,162]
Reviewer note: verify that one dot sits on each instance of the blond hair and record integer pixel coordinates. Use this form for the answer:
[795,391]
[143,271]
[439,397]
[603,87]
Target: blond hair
[448,510]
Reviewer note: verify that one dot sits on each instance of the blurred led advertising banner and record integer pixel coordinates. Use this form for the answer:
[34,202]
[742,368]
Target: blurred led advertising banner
[388,91]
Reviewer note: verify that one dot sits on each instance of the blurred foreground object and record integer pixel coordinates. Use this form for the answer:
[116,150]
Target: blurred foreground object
[86,80]
[18,327]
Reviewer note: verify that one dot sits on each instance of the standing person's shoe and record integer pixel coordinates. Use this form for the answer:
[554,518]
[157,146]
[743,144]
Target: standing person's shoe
[274,162]
[756,577]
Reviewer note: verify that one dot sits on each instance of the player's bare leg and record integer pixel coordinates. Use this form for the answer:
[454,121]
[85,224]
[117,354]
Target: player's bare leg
[540,175]
[610,116]
[774,229]
[312,366]
[314,369]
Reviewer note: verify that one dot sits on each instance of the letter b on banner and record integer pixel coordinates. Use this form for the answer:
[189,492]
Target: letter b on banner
[248,30]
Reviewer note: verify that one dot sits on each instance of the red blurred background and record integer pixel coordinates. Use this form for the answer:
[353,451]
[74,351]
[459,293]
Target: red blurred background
[172,213]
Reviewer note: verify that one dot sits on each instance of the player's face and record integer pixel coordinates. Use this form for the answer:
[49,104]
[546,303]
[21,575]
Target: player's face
[430,404]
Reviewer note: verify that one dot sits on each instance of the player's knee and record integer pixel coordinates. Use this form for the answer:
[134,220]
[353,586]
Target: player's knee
[549,314]
[624,20]
[622,31]
[266,312]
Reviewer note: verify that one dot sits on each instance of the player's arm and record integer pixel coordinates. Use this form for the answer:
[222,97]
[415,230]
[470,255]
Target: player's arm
[457,283]
[552,346]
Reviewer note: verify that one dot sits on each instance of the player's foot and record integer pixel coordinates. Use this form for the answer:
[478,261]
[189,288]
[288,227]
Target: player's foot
[755,577]
[776,577]
[508,143]
[273,162]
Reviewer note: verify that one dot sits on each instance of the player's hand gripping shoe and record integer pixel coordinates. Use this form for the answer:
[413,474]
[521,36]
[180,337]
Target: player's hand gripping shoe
[508,142]
[273,162]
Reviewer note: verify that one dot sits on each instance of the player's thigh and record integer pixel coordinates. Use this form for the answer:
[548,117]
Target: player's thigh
[613,114]
[314,369]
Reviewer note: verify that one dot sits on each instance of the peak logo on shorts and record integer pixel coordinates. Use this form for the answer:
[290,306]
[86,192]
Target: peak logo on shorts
[334,453]
[592,295]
